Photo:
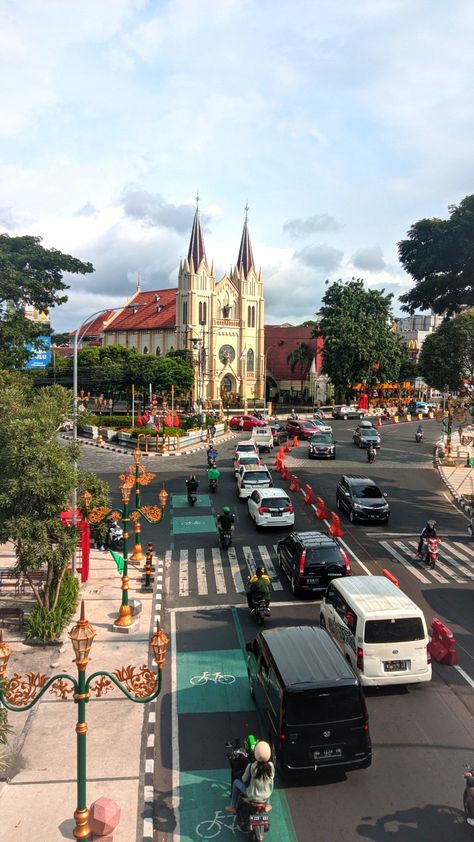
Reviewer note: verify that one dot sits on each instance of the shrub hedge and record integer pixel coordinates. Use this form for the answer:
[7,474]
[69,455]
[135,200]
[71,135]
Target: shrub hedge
[49,625]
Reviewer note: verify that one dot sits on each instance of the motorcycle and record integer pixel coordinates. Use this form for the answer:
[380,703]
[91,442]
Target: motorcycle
[213,486]
[470,528]
[371,454]
[261,609]
[211,458]
[252,816]
[225,539]
[468,797]
[192,498]
[430,551]
[419,436]
[114,540]
[318,415]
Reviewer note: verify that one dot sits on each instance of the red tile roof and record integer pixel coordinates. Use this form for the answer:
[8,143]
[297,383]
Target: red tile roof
[155,310]
[280,340]
[96,326]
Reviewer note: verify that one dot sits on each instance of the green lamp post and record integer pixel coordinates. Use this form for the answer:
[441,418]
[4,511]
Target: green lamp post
[137,684]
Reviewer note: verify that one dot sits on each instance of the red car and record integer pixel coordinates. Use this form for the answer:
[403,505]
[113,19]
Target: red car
[303,429]
[245,422]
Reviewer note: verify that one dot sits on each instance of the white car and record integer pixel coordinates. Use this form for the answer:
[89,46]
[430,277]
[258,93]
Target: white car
[271,507]
[251,477]
[245,447]
[246,459]
[322,427]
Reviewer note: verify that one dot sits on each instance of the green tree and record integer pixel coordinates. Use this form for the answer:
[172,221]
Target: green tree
[447,355]
[301,358]
[360,344]
[439,255]
[100,496]
[30,276]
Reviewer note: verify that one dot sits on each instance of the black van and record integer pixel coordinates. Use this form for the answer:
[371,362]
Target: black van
[309,700]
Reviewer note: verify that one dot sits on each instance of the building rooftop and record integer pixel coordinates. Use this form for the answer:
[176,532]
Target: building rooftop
[151,310]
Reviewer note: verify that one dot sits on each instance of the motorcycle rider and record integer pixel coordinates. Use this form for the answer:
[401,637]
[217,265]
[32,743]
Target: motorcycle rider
[259,586]
[226,521]
[192,485]
[257,781]
[115,533]
[213,473]
[428,532]
[212,455]
[419,433]
[370,452]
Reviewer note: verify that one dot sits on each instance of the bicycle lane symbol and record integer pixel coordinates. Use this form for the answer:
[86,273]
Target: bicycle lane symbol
[210,828]
[213,678]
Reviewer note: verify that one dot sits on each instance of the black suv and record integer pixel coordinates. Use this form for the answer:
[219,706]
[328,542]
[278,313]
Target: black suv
[322,444]
[362,499]
[311,560]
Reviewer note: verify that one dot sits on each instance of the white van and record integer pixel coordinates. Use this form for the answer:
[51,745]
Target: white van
[379,630]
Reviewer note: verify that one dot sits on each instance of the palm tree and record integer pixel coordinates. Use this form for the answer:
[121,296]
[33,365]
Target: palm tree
[302,358]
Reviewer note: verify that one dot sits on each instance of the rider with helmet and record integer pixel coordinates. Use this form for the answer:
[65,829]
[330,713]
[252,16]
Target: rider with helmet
[257,781]
[192,484]
[428,532]
[259,586]
[226,520]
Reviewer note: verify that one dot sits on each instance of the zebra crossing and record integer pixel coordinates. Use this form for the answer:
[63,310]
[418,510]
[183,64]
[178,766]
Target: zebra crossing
[204,571]
[455,562]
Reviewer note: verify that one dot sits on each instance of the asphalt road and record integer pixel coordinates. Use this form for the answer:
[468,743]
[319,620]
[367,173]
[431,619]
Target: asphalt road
[422,736]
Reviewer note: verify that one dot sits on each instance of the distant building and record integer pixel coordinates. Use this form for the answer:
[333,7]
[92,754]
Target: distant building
[414,329]
[284,382]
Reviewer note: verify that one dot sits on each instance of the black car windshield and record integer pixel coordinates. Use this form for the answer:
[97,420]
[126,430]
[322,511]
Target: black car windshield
[246,448]
[321,439]
[369,434]
[255,476]
[367,492]
[276,502]
[317,706]
[327,554]
[394,631]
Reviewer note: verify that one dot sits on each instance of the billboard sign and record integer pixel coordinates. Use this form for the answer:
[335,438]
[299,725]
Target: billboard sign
[40,357]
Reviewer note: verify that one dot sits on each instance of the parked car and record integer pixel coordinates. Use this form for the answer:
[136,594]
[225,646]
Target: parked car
[271,507]
[247,446]
[246,459]
[251,477]
[311,560]
[245,422]
[362,499]
[303,429]
[415,407]
[346,412]
[279,433]
[322,445]
[363,436]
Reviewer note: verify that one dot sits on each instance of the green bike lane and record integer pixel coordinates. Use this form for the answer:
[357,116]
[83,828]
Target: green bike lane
[211,705]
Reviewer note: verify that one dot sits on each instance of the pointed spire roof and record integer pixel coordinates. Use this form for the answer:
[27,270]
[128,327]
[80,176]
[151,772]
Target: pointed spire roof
[196,251]
[245,259]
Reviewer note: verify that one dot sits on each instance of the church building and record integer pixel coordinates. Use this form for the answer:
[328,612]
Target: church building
[220,321]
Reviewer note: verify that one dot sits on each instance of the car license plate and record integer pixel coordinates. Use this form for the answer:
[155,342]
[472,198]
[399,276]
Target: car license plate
[313,581]
[322,753]
[258,819]
[395,666]
[276,514]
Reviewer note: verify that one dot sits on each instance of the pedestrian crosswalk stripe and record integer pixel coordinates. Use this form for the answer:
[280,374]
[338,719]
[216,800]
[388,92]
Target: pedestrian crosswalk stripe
[265,555]
[235,570]
[444,551]
[201,572]
[218,571]
[405,563]
[411,552]
[448,571]
[183,573]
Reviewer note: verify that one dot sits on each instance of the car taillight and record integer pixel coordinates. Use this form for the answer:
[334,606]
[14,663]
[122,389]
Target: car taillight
[288,509]
[263,509]
[365,727]
[302,561]
[347,563]
[283,737]
[360,659]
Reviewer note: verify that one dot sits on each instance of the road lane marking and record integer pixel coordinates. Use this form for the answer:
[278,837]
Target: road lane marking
[235,570]
[183,573]
[268,563]
[201,572]
[464,675]
[469,570]
[404,562]
[174,728]
[218,570]
[249,559]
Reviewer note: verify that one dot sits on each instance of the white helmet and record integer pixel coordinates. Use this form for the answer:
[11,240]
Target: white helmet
[262,751]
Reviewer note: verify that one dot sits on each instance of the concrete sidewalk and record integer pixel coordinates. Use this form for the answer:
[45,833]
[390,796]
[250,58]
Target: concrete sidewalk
[39,798]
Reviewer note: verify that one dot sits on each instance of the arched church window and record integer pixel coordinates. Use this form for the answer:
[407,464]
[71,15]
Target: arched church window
[253,316]
[249,317]
[158,351]
[185,313]
[250,360]
[145,350]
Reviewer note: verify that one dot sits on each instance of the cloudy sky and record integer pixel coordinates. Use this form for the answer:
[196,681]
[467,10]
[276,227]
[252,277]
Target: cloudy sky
[341,123]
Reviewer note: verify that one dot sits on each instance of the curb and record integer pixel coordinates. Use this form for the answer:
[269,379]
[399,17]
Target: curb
[469,510]
[128,450]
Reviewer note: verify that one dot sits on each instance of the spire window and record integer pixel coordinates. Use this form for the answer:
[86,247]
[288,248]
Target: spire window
[250,361]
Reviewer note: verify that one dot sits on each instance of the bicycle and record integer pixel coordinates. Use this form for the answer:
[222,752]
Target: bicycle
[216,678]
[219,821]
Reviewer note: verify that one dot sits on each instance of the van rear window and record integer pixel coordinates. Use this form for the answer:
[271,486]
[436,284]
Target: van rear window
[313,707]
[394,631]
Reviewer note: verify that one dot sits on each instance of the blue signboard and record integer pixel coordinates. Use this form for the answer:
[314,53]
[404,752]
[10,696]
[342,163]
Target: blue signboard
[40,357]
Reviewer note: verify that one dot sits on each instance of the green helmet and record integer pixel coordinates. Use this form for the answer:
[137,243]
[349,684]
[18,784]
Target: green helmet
[226,510]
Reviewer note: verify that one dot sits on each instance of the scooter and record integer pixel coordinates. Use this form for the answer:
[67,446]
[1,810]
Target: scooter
[371,454]
[430,552]
[213,486]
[192,498]
[211,458]
[419,436]
[114,539]
[225,539]
[468,797]
[252,816]
[261,609]
[470,528]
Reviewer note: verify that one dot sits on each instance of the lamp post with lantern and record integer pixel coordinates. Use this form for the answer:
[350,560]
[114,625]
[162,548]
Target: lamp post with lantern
[139,684]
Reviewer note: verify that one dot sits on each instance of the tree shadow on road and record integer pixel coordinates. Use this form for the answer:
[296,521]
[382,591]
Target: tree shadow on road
[434,822]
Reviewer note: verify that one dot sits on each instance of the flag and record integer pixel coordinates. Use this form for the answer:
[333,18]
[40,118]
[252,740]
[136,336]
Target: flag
[244,353]
[119,560]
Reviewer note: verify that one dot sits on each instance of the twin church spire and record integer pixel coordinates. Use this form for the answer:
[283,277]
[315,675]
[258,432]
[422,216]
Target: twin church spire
[197,251]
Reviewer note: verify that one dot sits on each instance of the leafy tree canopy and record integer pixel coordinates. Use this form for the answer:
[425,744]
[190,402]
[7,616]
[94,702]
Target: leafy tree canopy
[360,344]
[447,355]
[439,255]
[30,276]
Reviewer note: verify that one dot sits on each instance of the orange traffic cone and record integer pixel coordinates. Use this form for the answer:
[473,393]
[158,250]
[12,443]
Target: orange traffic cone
[287,446]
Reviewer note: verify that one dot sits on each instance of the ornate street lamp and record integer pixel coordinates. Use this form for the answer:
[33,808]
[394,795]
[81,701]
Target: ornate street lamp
[139,684]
